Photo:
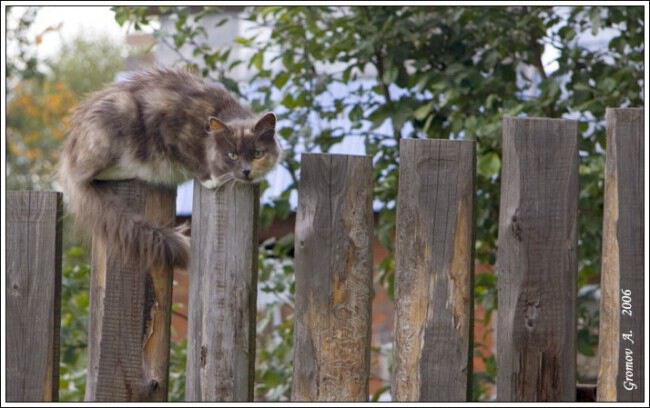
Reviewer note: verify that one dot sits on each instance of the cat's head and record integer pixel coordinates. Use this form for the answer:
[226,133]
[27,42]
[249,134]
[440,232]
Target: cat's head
[242,149]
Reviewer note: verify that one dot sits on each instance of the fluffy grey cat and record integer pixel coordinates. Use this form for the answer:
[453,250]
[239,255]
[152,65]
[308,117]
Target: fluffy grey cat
[163,127]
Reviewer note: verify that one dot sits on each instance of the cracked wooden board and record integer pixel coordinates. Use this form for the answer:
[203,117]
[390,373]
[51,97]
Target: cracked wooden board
[333,264]
[536,261]
[434,271]
[130,310]
[621,342]
[222,294]
[33,295]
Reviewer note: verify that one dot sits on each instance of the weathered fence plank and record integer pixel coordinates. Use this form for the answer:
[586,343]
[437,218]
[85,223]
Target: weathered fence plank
[434,271]
[333,264]
[621,343]
[33,290]
[536,261]
[223,293]
[130,309]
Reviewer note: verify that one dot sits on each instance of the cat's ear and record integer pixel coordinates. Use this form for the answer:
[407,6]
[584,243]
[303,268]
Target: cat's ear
[215,125]
[266,122]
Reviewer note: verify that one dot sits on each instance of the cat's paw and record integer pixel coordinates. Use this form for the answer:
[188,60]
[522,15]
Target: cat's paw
[210,183]
[182,233]
[216,182]
[183,228]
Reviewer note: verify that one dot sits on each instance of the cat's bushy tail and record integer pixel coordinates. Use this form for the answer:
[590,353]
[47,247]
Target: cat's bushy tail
[101,213]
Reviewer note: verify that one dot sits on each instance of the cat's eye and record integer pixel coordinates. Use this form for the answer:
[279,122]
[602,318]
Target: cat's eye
[259,154]
[233,156]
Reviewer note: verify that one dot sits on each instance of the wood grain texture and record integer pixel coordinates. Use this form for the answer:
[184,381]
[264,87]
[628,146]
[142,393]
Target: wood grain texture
[130,309]
[434,271]
[536,261]
[333,264]
[621,359]
[223,294]
[33,295]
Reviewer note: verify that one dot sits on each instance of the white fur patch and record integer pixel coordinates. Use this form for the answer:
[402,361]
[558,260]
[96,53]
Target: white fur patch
[215,182]
[157,171]
[209,184]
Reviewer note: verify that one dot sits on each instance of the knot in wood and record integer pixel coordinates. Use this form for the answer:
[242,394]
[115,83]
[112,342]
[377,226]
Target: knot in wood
[153,386]
[515,225]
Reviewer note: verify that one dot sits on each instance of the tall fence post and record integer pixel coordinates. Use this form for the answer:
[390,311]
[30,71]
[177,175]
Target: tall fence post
[130,309]
[333,264]
[33,290]
[434,271]
[536,261]
[223,293]
[621,343]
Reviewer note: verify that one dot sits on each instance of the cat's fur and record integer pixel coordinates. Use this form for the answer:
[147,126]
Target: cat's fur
[163,127]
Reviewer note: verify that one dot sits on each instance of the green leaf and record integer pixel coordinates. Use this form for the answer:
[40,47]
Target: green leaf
[585,346]
[567,33]
[281,79]
[75,252]
[489,164]
[243,41]
[288,101]
[491,101]
[422,112]
[286,132]
[581,87]
[607,85]
[583,127]
[120,17]
[179,40]
[427,124]
[182,18]
[346,74]
[211,59]
[390,75]
[258,60]
[378,116]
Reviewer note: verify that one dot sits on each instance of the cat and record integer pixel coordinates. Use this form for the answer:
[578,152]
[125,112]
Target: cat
[162,126]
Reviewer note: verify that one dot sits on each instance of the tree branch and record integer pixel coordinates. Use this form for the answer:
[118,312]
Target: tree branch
[379,64]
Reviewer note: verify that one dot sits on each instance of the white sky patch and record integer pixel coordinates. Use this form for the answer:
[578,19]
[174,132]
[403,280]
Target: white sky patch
[91,21]
[549,59]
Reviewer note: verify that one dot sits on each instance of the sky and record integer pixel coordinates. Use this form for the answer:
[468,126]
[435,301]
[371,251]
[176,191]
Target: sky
[99,20]
[88,20]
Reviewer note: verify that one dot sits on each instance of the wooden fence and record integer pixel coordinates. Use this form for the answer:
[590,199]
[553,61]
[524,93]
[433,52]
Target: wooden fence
[536,268]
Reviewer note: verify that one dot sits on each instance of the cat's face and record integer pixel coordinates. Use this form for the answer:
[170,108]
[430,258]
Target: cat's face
[242,150]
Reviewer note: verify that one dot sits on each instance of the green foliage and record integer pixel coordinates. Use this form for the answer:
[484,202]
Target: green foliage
[177,364]
[433,72]
[74,324]
[273,359]
[86,63]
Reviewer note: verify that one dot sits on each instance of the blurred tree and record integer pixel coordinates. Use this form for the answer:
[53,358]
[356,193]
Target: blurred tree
[38,107]
[86,63]
[433,72]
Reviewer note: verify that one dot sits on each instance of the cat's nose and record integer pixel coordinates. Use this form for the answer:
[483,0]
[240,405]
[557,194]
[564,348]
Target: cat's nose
[246,172]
